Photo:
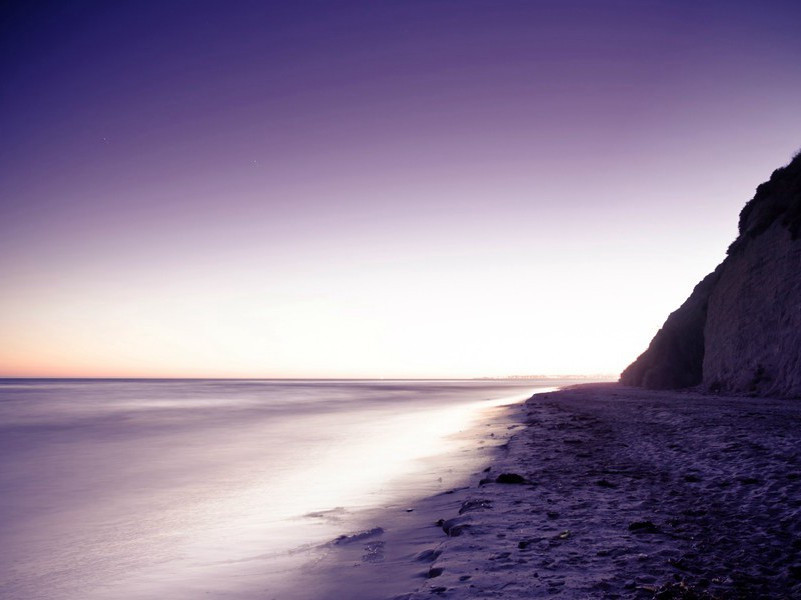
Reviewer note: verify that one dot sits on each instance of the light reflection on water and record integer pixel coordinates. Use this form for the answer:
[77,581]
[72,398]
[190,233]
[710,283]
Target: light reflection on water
[115,489]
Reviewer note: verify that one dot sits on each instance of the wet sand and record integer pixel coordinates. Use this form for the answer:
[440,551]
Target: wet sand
[389,554]
[604,491]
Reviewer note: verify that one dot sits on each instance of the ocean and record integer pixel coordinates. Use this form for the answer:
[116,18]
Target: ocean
[215,488]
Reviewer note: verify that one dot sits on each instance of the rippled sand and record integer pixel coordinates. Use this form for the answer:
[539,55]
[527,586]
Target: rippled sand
[625,493]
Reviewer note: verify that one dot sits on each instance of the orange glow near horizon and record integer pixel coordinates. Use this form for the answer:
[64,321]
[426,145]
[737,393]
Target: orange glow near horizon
[416,320]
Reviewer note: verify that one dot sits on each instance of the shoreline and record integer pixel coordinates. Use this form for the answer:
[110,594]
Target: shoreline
[389,554]
[628,493]
[228,491]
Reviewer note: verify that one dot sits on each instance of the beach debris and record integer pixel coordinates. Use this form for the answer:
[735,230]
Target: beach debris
[357,537]
[643,527]
[678,591]
[373,552]
[454,527]
[334,515]
[683,564]
[429,555]
[511,478]
[452,491]
[477,504]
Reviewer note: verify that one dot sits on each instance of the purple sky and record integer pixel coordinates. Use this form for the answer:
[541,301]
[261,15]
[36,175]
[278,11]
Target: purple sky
[392,189]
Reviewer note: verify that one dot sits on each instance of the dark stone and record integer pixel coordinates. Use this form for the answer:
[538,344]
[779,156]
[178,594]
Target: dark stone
[680,590]
[454,527]
[683,564]
[428,555]
[511,478]
[471,505]
[434,572]
[643,527]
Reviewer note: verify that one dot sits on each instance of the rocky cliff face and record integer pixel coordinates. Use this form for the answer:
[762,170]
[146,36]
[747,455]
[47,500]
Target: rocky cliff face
[676,354]
[740,329]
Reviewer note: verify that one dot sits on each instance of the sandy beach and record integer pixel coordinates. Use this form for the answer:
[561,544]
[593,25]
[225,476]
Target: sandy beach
[595,491]
[604,491]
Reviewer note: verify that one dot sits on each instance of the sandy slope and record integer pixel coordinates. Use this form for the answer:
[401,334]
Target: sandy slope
[631,494]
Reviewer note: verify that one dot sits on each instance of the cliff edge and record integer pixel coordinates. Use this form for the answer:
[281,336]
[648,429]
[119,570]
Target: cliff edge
[740,329]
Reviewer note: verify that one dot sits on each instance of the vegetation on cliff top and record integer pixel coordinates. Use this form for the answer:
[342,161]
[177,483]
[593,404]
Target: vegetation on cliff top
[779,198]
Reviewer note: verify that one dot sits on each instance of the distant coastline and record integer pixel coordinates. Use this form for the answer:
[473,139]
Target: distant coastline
[572,377]
[599,377]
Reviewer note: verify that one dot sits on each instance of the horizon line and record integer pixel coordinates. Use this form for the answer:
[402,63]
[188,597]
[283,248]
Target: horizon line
[480,378]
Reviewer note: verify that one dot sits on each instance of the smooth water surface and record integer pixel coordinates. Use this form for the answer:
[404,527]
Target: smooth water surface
[176,488]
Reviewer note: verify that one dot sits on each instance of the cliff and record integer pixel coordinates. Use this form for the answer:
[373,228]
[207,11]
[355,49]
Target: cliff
[740,329]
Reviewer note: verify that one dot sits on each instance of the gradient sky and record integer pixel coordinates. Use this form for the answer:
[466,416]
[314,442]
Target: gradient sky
[374,189]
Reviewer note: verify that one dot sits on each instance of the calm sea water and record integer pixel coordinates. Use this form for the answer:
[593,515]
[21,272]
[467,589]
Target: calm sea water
[205,488]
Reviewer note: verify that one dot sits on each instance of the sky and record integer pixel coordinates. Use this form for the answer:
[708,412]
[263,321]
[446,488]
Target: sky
[378,188]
